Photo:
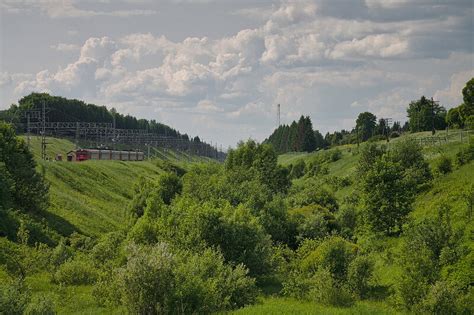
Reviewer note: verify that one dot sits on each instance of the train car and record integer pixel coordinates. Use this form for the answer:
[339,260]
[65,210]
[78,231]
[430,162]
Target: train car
[124,155]
[105,155]
[94,154]
[115,155]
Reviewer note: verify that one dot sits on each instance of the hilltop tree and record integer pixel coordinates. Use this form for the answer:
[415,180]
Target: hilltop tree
[308,139]
[454,118]
[423,115]
[297,137]
[365,124]
[468,94]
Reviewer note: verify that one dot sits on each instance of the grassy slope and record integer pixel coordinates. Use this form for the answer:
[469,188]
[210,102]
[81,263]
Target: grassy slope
[91,197]
[273,305]
[445,188]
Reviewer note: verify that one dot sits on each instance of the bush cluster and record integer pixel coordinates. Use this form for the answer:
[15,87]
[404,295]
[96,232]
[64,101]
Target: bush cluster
[438,278]
[331,272]
[465,155]
[157,279]
[76,271]
[444,165]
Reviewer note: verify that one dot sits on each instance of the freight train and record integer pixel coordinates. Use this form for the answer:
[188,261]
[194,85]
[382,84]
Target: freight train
[96,154]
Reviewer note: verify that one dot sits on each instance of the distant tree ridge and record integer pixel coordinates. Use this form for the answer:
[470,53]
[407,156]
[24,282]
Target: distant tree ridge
[61,109]
[297,137]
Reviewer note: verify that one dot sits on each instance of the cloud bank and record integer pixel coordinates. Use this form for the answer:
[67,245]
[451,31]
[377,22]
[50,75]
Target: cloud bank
[314,57]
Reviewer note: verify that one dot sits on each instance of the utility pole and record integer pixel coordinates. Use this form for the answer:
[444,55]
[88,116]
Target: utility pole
[113,131]
[28,130]
[77,135]
[43,131]
[433,130]
[386,130]
[278,116]
[357,129]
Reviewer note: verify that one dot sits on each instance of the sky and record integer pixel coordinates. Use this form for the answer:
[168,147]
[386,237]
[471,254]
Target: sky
[218,69]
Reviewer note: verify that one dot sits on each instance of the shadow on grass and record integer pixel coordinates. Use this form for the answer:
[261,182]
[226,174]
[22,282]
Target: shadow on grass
[379,293]
[57,223]
[44,227]
[270,286]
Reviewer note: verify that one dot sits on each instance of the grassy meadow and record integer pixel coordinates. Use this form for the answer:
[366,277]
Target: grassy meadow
[91,198]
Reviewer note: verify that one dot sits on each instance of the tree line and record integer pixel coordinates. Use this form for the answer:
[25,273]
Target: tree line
[423,115]
[61,109]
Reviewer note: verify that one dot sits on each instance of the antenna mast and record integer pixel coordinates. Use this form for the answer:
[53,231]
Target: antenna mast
[278,115]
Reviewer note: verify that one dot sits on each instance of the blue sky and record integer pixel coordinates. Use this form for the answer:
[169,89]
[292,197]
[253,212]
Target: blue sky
[217,69]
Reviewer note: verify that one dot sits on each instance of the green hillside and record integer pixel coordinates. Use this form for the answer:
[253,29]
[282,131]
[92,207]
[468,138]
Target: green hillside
[91,197]
[450,189]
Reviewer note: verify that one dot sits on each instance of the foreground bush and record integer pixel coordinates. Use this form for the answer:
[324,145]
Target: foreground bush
[13,297]
[325,289]
[437,279]
[157,280]
[330,272]
[40,305]
[75,272]
[196,226]
[465,155]
[444,165]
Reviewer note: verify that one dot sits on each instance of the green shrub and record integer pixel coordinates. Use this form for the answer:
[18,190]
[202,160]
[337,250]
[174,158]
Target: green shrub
[335,155]
[146,281]
[169,185]
[275,220]
[40,305]
[60,254]
[440,256]
[329,291]
[108,247]
[376,138]
[312,194]
[297,170]
[194,225]
[444,165]
[359,275]
[324,271]
[157,279]
[141,191]
[75,272]
[338,182]
[409,154]
[316,167]
[313,222]
[465,155]
[346,219]
[333,254]
[14,297]
[440,299]
[81,242]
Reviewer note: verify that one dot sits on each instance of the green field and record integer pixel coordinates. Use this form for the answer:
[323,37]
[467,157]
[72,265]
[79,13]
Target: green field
[91,198]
